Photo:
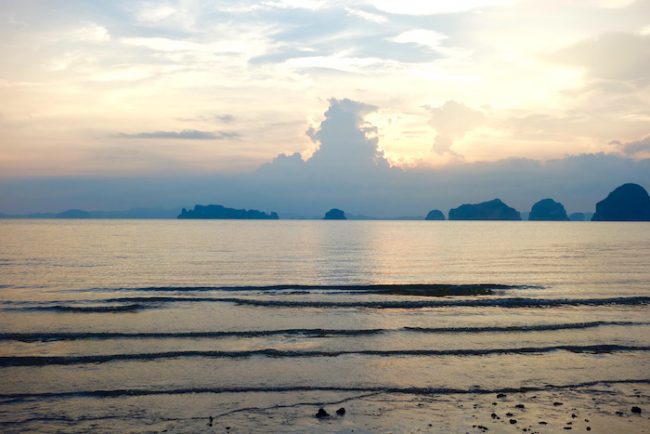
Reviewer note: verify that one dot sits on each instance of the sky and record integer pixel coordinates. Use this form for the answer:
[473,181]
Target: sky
[384,107]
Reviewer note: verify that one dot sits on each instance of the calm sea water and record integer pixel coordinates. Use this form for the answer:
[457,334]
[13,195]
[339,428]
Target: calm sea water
[124,325]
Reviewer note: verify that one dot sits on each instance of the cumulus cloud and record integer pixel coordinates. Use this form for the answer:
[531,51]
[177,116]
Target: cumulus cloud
[452,121]
[181,135]
[345,143]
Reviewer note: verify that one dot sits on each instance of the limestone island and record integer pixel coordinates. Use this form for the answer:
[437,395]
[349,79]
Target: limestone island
[335,214]
[221,212]
[435,214]
[548,210]
[629,202]
[491,210]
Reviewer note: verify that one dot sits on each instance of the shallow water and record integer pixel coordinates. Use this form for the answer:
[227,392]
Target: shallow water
[121,325]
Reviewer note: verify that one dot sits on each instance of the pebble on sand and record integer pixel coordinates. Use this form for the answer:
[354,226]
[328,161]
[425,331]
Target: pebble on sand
[341,411]
[321,413]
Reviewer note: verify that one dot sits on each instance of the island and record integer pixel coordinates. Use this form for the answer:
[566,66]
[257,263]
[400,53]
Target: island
[548,210]
[629,202]
[73,214]
[335,214]
[221,212]
[491,210]
[435,214]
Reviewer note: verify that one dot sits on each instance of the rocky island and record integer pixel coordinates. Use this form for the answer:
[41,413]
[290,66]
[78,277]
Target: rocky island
[629,202]
[548,210]
[491,210]
[435,214]
[335,214]
[221,212]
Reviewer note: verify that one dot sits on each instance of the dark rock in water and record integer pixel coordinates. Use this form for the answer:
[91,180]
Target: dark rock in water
[501,395]
[335,214]
[341,411]
[573,415]
[513,421]
[494,416]
[577,217]
[636,410]
[548,210]
[435,214]
[557,403]
[491,210]
[629,202]
[541,422]
[321,413]
[509,414]
[222,213]
[73,214]
[520,406]
[588,428]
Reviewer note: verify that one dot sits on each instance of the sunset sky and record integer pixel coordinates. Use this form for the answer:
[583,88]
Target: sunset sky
[126,88]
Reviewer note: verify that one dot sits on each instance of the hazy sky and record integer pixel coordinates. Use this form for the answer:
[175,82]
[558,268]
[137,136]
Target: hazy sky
[111,90]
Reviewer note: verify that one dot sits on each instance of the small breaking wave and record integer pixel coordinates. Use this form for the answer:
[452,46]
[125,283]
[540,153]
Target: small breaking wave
[66,308]
[421,289]
[117,393]
[397,304]
[8,361]
[61,336]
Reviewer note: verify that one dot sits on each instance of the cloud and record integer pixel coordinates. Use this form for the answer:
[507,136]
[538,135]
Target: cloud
[347,170]
[91,33]
[427,38]
[345,140]
[611,56]
[150,12]
[452,121]
[428,7]
[181,135]
[635,148]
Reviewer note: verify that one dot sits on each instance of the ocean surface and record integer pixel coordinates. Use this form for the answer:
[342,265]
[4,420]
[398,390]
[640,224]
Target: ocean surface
[252,326]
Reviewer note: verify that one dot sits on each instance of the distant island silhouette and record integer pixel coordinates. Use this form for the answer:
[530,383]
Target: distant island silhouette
[629,202]
[548,210]
[491,210]
[73,214]
[335,214]
[435,214]
[221,212]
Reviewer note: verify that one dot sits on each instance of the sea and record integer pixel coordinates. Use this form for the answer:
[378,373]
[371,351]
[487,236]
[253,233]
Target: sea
[254,326]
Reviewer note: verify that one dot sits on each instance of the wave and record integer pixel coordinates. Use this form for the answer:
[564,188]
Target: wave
[64,308]
[116,393]
[422,289]
[8,361]
[135,304]
[396,304]
[60,336]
